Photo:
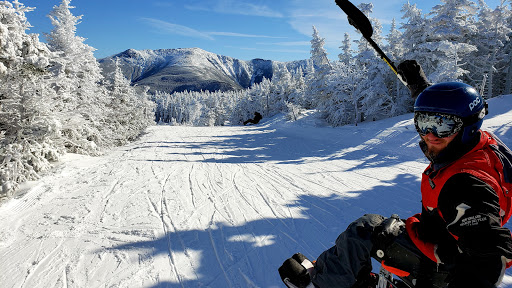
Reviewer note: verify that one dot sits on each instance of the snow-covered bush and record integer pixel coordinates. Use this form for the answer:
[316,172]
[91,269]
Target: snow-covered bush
[294,111]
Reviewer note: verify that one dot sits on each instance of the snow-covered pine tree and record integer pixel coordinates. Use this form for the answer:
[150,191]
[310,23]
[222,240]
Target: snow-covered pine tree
[491,60]
[281,88]
[396,51]
[28,127]
[131,109]
[341,107]
[316,82]
[318,53]
[258,98]
[76,81]
[395,48]
[297,95]
[453,25]
[345,82]
[346,56]
[375,100]
[508,71]
[415,31]
[309,77]
[161,107]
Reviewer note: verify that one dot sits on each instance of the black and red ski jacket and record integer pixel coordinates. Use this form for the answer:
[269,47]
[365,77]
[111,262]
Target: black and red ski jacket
[464,207]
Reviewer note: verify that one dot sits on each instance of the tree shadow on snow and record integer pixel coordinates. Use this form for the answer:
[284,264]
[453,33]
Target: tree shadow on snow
[287,146]
[248,255]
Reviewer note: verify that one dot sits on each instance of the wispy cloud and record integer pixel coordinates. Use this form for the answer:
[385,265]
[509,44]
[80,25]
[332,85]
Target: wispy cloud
[291,43]
[231,34]
[170,28]
[273,50]
[235,7]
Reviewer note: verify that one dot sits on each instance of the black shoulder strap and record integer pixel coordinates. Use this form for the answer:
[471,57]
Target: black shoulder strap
[505,155]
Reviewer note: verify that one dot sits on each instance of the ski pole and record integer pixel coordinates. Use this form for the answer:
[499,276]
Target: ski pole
[357,19]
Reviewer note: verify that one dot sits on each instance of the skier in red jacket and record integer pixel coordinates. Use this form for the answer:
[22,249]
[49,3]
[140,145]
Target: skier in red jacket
[458,240]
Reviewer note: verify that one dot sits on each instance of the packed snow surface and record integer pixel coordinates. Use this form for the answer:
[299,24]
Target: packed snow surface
[212,206]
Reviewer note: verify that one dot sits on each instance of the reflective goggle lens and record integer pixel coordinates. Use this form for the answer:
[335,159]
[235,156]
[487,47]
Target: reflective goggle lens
[441,125]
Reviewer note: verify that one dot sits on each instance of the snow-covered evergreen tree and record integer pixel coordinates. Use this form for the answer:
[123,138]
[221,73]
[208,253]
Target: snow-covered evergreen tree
[340,108]
[316,82]
[310,78]
[415,31]
[346,47]
[343,106]
[375,99]
[453,25]
[131,110]
[28,127]
[318,52]
[282,88]
[297,95]
[491,60]
[398,92]
[76,81]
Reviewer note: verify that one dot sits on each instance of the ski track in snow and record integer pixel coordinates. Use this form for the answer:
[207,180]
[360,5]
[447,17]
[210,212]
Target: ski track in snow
[210,206]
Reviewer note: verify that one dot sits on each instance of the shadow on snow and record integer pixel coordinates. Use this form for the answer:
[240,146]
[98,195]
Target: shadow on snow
[262,144]
[248,255]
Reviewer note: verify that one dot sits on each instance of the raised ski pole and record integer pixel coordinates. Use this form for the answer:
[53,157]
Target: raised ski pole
[357,19]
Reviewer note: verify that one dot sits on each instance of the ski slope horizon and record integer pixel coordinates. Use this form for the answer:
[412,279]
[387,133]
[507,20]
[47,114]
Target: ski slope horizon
[213,206]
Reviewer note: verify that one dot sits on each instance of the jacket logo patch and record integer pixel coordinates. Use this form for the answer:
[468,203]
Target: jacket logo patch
[472,221]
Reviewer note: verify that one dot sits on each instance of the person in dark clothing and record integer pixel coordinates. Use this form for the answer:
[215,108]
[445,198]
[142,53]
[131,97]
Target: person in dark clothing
[255,120]
[465,203]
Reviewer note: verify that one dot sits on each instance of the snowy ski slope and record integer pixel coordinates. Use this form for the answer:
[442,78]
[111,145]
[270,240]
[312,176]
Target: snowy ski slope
[212,206]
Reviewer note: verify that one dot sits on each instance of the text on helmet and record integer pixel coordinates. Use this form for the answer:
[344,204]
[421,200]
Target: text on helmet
[473,104]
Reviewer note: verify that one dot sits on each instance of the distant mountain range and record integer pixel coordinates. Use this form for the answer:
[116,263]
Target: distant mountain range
[193,69]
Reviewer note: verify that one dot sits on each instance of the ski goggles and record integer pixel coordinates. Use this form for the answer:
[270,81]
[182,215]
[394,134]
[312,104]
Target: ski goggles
[441,125]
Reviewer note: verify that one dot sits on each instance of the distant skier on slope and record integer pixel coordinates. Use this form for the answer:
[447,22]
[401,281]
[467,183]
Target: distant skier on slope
[255,120]
[458,240]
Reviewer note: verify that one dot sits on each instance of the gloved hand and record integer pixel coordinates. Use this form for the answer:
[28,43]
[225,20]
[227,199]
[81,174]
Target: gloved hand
[296,272]
[386,232]
[388,229]
[413,74]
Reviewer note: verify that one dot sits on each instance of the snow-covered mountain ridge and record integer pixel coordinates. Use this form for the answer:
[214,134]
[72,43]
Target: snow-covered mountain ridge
[194,69]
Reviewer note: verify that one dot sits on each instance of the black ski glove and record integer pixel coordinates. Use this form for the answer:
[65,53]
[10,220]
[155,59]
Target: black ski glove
[386,232]
[296,272]
[413,74]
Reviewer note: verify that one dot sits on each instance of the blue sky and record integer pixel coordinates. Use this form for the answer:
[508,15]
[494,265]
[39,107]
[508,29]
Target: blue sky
[244,29]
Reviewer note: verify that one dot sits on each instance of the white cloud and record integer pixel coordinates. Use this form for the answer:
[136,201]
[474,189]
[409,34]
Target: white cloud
[291,43]
[290,51]
[231,34]
[236,7]
[170,28]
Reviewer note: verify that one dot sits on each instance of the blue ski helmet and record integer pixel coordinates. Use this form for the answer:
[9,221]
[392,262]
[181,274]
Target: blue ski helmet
[454,98]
